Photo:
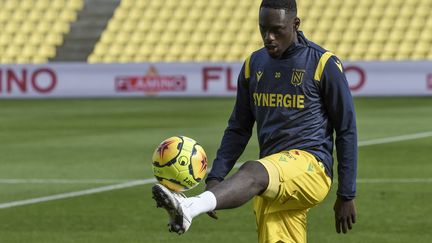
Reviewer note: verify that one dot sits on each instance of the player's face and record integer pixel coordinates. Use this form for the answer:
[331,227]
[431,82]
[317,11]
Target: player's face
[278,30]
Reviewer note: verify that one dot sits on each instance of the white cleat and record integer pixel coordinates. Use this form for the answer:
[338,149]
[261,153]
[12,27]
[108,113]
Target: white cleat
[173,203]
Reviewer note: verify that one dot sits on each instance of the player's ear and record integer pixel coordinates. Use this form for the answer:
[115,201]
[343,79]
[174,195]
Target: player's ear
[296,23]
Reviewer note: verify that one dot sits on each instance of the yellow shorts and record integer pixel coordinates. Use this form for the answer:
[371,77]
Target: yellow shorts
[297,182]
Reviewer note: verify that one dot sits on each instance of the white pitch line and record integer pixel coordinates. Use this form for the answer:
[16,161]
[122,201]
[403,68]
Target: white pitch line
[148,181]
[393,180]
[76,194]
[395,139]
[62,181]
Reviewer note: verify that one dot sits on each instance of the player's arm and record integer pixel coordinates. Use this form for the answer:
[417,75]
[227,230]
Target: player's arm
[340,109]
[237,134]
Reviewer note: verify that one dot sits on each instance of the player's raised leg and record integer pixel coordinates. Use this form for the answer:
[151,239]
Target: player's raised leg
[250,180]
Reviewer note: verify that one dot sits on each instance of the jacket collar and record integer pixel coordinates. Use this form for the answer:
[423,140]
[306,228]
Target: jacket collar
[294,47]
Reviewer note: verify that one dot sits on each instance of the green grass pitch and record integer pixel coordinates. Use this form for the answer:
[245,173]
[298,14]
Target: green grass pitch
[113,139]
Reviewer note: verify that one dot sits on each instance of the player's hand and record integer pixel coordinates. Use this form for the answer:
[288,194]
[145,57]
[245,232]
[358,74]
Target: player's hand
[209,185]
[345,215]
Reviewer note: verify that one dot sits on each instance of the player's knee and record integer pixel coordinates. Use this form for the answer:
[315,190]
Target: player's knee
[256,173]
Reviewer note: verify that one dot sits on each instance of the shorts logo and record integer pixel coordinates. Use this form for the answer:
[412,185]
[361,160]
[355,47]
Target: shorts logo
[297,76]
[259,75]
[311,168]
[277,75]
[283,159]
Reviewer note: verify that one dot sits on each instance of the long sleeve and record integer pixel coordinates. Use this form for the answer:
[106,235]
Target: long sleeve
[237,134]
[340,109]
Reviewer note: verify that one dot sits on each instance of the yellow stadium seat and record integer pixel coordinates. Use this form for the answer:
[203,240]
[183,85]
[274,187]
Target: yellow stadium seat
[19,15]
[20,38]
[426,35]
[13,51]
[139,58]
[416,23]
[386,56]
[6,39]
[126,4]
[173,26]
[54,39]
[340,24]
[422,48]
[34,16]
[412,35]
[156,57]
[42,4]
[404,50]
[10,5]
[407,11]
[396,35]
[47,51]
[197,38]
[29,51]
[115,49]
[43,27]
[119,14]
[113,26]
[11,27]
[36,38]
[68,15]
[144,50]
[22,60]
[109,59]
[358,12]
[28,27]
[176,49]
[128,26]
[58,4]
[4,59]
[107,37]
[365,36]
[93,58]
[60,27]
[100,48]
[391,11]
[75,4]
[375,48]
[136,38]
[5,15]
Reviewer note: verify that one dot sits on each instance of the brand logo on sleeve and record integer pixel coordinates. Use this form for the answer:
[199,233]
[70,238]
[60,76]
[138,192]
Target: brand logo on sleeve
[339,65]
[259,75]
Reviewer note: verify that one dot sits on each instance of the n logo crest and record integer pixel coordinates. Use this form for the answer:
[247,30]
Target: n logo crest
[259,75]
[297,76]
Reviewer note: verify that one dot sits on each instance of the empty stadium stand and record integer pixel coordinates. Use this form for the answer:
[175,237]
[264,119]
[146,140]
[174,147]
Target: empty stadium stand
[227,30]
[31,30]
[38,31]
[79,42]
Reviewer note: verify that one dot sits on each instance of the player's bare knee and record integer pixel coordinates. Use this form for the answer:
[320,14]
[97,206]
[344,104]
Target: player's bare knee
[256,173]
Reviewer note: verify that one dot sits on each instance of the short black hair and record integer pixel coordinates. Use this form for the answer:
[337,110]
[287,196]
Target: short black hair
[288,5]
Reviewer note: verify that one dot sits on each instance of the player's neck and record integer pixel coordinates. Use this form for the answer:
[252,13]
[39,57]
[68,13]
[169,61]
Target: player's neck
[291,48]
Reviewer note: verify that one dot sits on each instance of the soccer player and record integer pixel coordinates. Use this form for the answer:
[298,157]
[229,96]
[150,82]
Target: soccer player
[297,94]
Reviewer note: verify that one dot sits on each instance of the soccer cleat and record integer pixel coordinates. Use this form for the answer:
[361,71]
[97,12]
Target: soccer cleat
[173,203]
